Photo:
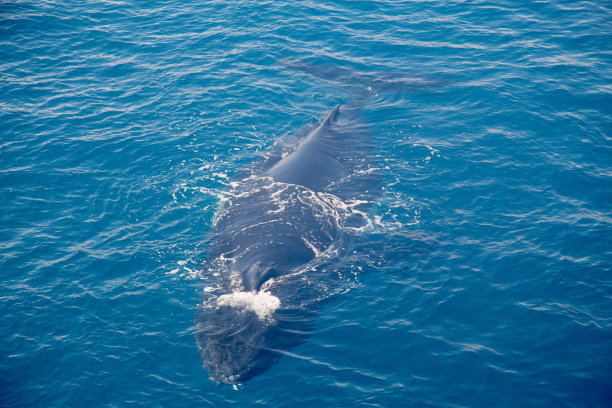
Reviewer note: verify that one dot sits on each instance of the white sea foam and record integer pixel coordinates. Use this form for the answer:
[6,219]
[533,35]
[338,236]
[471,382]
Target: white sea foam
[262,303]
[186,268]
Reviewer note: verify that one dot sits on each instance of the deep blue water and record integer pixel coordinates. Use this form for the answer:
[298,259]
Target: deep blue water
[487,280]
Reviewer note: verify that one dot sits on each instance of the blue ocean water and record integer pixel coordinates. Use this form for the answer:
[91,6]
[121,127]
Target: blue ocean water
[487,280]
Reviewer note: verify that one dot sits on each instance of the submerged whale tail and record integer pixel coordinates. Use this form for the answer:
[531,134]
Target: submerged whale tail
[366,82]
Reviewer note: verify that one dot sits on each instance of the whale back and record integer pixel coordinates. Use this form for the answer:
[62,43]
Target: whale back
[314,163]
[332,156]
[278,225]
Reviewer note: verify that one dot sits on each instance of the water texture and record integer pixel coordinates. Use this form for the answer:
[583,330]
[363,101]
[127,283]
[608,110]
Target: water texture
[485,277]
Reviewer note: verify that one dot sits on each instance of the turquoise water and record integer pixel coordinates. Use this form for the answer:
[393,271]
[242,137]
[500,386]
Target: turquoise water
[485,278]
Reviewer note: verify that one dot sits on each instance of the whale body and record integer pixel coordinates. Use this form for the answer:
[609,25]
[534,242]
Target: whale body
[273,245]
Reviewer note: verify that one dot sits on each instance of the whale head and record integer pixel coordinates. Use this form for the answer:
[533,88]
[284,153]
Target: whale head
[245,333]
[234,336]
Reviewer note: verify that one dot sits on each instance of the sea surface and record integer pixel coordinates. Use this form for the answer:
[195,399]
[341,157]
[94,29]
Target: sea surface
[486,279]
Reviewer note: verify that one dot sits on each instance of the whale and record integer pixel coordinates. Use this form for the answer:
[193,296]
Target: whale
[274,253]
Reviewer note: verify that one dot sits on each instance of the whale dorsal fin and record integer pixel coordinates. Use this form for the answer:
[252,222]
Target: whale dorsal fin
[314,162]
[332,117]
